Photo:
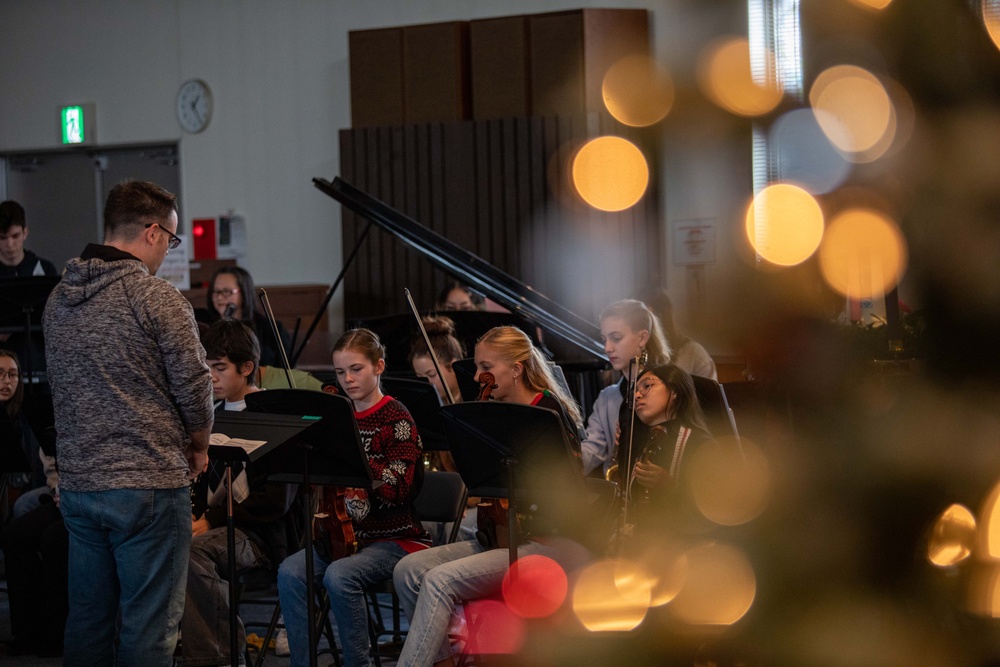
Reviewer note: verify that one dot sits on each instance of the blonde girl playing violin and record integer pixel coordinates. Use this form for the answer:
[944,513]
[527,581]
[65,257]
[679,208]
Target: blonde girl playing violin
[431,583]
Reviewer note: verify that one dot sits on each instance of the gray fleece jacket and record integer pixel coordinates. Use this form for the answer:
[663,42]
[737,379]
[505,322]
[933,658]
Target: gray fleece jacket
[128,375]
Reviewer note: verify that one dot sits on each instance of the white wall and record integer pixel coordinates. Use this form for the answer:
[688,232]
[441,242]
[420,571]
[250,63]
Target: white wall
[279,74]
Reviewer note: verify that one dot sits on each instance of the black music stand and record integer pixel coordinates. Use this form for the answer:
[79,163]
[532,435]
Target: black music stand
[12,458]
[274,430]
[332,455]
[22,302]
[514,451]
[422,400]
[465,371]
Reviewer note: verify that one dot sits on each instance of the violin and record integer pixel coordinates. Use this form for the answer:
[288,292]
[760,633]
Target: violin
[488,383]
[332,526]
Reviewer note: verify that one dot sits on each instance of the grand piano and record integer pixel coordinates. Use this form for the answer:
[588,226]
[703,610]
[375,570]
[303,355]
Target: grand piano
[574,341]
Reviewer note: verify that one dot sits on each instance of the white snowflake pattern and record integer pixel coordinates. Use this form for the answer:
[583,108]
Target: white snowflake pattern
[388,475]
[402,430]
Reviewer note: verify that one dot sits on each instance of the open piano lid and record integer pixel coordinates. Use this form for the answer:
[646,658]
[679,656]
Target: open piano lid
[473,270]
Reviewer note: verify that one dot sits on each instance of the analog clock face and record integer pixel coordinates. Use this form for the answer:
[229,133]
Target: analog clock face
[194,106]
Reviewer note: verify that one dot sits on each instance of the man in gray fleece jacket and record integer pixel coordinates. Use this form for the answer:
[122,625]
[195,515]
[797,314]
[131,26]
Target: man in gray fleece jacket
[133,410]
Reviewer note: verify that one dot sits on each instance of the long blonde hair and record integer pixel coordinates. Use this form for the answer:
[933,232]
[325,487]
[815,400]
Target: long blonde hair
[639,317]
[514,345]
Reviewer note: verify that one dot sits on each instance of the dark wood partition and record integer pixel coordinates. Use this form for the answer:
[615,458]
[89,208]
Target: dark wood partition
[499,188]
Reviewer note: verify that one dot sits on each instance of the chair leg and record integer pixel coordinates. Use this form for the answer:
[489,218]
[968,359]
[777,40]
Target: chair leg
[397,636]
[271,628]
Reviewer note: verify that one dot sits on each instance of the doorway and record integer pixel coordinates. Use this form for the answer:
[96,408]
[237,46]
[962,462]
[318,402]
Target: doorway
[63,192]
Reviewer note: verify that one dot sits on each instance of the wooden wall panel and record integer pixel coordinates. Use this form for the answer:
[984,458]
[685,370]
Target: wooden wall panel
[556,63]
[499,189]
[436,72]
[376,67]
[608,36]
[498,61]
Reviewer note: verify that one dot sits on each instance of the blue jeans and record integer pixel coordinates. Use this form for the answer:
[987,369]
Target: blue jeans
[205,623]
[430,583]
[345,581]
[128,553]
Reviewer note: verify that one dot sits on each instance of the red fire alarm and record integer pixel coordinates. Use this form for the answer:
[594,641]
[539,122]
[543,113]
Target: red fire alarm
[204,235]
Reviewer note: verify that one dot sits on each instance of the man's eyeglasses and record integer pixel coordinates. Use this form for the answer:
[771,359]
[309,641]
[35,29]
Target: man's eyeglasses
[644,388]
[174,241]
[13,375]
[225,292]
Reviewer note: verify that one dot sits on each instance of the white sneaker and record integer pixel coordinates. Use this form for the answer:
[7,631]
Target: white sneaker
[281,644]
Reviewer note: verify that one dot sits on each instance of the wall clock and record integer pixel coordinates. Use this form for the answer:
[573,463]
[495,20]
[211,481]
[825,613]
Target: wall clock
[194,106]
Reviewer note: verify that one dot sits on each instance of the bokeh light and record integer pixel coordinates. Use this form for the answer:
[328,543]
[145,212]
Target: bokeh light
[719,589]
[872,4]
[493,628]
[730,487]
[784,224]
[855,111]
[991,17]
[952,537]
[904,112]
[610,173]
[638,91]
[725,77]
[535,586]
[863,254]
[612,595]
[989,522]
[805,155]
[984,590]
[667,568]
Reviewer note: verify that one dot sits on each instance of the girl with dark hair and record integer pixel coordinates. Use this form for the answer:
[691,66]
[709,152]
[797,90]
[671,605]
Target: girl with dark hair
[11,389]
[231,294]
[666,402]
[456,296]
[35,544]
[385,521]
[41,479]
[447,348]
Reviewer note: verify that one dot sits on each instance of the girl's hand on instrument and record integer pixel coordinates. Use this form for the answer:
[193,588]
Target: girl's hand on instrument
[648,475]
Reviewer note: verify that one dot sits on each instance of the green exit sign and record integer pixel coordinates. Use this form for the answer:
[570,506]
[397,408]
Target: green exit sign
[76,124]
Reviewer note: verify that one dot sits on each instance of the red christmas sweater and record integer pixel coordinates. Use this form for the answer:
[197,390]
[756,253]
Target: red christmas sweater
[394,449]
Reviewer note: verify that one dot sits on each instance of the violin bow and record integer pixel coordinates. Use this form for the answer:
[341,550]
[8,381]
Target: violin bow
[274,329]
[430,348]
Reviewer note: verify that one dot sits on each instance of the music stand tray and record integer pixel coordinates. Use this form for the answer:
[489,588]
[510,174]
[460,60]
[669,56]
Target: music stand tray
[336,455]
[21,295]
[514,451]
[274,430]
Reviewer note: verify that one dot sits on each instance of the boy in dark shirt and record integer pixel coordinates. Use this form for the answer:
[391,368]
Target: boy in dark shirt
[15,261]
[259,509]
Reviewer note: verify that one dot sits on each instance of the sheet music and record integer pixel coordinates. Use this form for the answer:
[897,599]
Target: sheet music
[223,440]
